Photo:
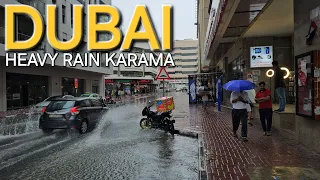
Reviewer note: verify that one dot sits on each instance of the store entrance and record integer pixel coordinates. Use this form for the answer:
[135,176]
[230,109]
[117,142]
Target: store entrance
[24,90]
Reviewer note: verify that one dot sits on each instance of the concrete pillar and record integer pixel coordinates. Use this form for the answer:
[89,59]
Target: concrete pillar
[55,86]
[88,85]
[102,87]
[3,102]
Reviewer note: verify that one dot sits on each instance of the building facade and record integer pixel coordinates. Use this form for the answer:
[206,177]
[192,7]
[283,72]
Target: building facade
[244,39]
[132,80]
[23,87]
[185,54]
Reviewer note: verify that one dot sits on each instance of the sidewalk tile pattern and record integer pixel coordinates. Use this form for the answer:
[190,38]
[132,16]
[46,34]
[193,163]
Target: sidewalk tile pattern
[230,158]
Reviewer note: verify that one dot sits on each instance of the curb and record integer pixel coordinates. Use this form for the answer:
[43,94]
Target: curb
[202,161]
[188,134]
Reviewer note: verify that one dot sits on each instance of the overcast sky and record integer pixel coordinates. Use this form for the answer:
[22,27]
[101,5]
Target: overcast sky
[184,15]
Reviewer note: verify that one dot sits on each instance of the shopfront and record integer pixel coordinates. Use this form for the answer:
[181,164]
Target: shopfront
[24,90]
[130,86]
[72,86]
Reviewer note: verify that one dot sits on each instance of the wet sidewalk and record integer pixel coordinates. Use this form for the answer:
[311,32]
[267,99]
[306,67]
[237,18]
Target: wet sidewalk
[262,157]
[229,158]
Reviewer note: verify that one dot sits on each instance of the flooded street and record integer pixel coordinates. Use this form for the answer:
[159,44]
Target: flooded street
[116,149]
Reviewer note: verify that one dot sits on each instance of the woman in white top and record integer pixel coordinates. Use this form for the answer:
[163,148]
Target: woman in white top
[251,96]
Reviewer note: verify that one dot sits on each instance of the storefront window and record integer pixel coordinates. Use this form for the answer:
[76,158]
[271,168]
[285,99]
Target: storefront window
[95,86]
[304,83]
[25,90]
[69,88]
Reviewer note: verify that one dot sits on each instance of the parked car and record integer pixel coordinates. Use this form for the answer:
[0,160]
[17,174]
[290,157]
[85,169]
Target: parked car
[178,89]
[80,113]
[94,95]
[46,102]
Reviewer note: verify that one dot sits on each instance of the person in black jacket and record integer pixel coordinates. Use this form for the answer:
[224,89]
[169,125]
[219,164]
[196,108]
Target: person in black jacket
[280,86]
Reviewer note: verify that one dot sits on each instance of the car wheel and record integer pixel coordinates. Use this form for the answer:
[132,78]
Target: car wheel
[83,127]
[47,131]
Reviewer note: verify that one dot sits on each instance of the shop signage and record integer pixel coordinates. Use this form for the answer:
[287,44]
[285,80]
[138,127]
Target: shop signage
[144,81]
[180,81]
[108,81]
[76,83]
[215,16]
[261,56]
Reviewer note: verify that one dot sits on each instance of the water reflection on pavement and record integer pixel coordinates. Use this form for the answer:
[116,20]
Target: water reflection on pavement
[116,149]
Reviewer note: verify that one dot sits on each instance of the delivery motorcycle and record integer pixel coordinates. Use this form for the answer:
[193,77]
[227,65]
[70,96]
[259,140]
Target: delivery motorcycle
[157,120]
[109,100]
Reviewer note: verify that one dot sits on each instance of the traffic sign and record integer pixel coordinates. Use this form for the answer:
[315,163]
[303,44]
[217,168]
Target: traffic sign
[163,74]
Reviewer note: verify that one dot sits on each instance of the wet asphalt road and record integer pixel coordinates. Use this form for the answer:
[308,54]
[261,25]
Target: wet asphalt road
[117,149]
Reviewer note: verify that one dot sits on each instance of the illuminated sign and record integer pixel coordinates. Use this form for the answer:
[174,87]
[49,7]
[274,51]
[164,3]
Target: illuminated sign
[261,56]
[108,81]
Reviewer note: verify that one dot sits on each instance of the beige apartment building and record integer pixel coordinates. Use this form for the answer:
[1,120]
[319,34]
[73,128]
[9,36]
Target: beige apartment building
[186,55]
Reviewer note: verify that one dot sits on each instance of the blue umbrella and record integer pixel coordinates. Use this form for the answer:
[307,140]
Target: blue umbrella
[239,85]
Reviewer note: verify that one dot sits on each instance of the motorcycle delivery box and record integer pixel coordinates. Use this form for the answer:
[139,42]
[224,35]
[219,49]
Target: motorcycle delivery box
[165,104]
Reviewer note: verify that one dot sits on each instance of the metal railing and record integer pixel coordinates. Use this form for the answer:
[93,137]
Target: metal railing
[36,4]
[2,31]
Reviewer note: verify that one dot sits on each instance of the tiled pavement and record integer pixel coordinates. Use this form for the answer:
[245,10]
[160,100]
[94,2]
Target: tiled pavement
[261,158]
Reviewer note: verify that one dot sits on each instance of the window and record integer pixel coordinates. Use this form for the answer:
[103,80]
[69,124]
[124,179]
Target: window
[101,2]
[54,2]
[84,22]
[188,48]
[85,103]
[23,90]
[189,60]
[65,37]
[95,87]
[189,54]
[63,14]
[189,72]
[96,102]
[195,66]
[59,105]
[71,10]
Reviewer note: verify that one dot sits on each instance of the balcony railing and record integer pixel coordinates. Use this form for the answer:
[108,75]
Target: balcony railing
[2,35]
[36,4]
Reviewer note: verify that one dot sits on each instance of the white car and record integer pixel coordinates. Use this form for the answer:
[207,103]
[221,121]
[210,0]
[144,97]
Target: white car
[178,90]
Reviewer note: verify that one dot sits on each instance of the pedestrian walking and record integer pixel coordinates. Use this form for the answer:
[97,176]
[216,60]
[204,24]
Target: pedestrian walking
[251,95]
[263,97]
[205,99]
[239,101]
[279,86]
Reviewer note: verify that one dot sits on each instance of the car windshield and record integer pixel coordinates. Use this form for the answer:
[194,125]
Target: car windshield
[52,98]
[60,105]
[85,95]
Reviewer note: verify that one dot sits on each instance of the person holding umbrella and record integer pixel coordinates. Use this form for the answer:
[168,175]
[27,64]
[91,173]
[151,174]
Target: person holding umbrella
[239,100]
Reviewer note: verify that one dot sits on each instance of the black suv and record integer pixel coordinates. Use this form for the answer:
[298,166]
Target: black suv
[71,113]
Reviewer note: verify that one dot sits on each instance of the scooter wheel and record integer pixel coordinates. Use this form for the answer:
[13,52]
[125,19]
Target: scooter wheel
[145,123]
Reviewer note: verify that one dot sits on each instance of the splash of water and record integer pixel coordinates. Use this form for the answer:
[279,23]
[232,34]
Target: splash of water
[114,115]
